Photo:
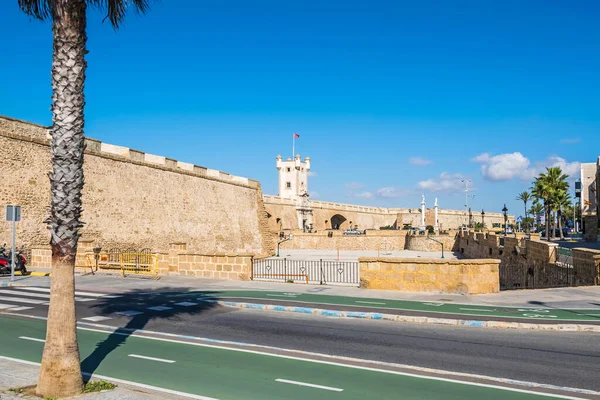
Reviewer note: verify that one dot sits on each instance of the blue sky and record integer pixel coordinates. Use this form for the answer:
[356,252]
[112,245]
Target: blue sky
[392,99]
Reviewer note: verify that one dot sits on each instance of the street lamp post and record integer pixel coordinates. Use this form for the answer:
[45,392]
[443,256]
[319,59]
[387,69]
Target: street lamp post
[466,182]
[482,219]
[505,213]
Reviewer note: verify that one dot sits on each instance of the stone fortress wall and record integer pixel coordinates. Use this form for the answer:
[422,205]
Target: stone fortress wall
[282,216]
[133,199]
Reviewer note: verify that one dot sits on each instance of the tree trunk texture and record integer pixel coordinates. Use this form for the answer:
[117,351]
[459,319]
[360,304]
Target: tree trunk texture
[525,220]
[60,374]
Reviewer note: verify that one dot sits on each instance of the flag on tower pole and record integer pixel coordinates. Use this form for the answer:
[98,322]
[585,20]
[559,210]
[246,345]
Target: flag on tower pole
[294,137]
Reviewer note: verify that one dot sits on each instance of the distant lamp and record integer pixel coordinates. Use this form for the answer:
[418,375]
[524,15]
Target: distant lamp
[505,213]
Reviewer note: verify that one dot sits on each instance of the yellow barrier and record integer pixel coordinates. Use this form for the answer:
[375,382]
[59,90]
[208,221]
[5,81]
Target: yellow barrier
[139,264]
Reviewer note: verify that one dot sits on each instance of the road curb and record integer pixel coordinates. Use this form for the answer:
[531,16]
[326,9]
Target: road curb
[410,319]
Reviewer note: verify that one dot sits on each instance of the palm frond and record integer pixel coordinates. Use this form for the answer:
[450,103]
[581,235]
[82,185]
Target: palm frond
[117,9]
[40,9]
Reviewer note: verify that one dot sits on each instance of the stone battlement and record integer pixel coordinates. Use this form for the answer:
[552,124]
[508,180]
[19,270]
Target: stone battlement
[37,133]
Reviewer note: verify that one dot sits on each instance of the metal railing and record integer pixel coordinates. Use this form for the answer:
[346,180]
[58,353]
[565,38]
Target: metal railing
[322,272]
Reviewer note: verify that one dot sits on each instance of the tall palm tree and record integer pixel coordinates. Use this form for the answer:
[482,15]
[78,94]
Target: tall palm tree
[562,201]
[524,197]
[558,184]
[542,192]
[60,374]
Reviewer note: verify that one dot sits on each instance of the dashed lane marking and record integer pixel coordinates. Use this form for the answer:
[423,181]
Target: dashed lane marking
[309,385]
[32,339]
[152,358]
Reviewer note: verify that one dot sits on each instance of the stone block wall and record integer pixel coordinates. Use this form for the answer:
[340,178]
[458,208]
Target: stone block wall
[430,275]
[133,199]
[423,243]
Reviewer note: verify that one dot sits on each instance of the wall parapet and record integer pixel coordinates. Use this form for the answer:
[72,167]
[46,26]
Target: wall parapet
[22,130]
[430,275]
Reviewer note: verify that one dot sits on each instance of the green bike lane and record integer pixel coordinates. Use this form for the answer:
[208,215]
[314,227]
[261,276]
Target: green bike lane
[371,304]
[221,373]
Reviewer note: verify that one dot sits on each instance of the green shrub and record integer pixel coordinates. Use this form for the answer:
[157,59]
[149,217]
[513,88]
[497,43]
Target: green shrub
[98,386]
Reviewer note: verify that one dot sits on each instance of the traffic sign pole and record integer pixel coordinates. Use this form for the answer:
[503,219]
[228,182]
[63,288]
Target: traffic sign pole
[13,214]
[12,253]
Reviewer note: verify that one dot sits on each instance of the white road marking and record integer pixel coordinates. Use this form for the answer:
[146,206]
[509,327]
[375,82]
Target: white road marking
[152,359]
[123,381]
[280,295]
[368,302]
[25,301]
[32,339]
[97,318]
[130,313]
[186,304]
[477,309]
[4,306]
[159,308]
[21,308]
[37,295]
[130,333]
[77,292]
[309,385]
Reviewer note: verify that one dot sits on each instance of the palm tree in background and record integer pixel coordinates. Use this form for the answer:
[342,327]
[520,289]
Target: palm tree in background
[524,197]
[60,374]
[547,188]
[542,192]
[562,201]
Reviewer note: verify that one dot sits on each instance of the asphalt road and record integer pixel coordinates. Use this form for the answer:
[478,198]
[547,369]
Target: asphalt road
[557,358]
[223,373]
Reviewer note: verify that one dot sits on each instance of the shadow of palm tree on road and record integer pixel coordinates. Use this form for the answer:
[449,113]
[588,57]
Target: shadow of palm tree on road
[140,301]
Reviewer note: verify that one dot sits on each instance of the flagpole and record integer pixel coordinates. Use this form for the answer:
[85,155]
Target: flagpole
[293,145]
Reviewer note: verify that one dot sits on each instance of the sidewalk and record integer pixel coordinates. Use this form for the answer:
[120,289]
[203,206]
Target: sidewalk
[562,298]
[15,374]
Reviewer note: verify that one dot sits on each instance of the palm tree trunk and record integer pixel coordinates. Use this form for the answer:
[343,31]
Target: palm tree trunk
[559,217]
[525,220]
[60,374]
[547,221]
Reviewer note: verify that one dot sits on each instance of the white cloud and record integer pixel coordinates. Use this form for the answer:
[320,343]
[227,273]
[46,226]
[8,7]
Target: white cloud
[450,183]
[353,186]
[312,173]
[482,158]
[392,192]
[419,161]
[504,167]
[364,195]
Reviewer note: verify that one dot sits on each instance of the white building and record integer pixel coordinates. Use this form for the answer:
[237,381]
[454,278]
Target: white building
[293,185]
[293,177]
[588,188]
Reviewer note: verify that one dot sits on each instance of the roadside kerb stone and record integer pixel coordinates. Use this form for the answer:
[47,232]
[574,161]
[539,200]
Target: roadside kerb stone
[409,318]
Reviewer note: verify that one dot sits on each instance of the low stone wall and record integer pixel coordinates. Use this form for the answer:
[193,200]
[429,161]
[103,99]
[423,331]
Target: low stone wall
[177,261]
[430,275]
[373,240]
[344,242]
[424,243]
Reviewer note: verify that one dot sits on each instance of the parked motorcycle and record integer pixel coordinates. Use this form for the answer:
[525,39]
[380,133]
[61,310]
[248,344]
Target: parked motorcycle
[6,259]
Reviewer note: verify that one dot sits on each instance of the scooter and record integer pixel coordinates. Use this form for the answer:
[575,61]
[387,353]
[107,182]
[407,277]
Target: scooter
[6,259]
